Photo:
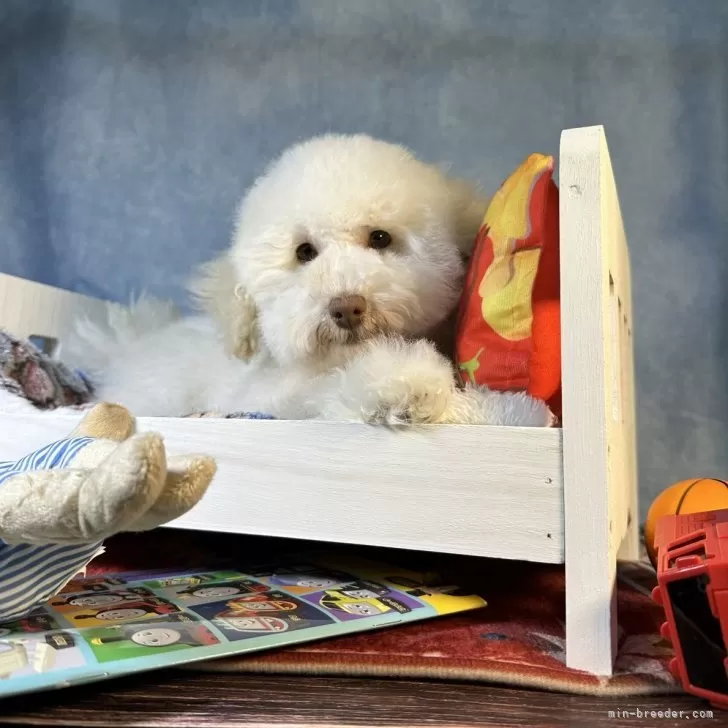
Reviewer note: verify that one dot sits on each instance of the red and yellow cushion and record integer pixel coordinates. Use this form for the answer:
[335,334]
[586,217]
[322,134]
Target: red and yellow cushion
[509,330]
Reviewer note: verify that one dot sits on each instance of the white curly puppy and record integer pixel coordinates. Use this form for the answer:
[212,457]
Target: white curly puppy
[347,252]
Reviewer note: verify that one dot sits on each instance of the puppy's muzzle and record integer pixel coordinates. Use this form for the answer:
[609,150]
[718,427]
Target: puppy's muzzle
[348,312]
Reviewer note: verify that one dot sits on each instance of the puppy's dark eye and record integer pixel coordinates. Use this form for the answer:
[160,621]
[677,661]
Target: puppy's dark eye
[306,252]
[379,239]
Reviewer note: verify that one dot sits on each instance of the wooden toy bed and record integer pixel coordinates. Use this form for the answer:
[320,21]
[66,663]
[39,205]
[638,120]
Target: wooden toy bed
[548,495]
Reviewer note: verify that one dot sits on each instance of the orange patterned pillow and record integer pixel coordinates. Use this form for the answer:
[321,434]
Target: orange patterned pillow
[509,329]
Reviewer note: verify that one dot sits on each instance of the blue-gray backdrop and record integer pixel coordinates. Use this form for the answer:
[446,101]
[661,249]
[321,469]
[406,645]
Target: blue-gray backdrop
[129,129]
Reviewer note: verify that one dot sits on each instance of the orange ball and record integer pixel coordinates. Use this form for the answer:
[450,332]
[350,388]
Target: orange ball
[687,496]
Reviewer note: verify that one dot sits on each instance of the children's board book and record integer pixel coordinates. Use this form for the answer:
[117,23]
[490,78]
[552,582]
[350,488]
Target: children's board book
[118,624]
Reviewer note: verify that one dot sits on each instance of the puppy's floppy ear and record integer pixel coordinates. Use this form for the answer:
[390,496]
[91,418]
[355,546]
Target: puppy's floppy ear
[217,291]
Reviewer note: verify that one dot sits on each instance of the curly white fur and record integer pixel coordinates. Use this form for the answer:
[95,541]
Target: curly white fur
[266,340]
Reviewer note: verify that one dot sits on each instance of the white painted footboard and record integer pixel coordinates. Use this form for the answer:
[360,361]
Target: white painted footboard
[456,489]
[533,494]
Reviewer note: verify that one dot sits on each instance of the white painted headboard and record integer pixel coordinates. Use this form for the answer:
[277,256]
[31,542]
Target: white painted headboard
[29,309]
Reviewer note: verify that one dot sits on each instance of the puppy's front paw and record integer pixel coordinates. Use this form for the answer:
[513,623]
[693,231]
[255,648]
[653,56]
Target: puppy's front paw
[397,382]
[406,401]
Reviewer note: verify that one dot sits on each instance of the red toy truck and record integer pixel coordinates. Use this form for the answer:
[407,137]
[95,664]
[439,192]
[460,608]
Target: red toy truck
[692,575]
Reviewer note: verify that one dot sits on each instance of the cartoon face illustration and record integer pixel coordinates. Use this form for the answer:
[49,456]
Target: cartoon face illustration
[119,614]
[222,589]
[128,610]
[362,608]
[313,582]
[358,605]
[98,600]
[253,624]
[95,600]
[156,637]
[269,606]
[307,577]
[111,642]
[360,593]
[216,592]
[254,614]
[262,605]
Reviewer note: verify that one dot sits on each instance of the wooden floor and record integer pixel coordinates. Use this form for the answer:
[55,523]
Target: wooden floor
[177,698]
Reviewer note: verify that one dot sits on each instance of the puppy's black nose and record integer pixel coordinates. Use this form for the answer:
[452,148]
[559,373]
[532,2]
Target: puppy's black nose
[347,311]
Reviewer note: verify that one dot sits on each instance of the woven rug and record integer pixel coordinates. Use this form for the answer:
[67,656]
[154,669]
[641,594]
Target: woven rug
[517,640]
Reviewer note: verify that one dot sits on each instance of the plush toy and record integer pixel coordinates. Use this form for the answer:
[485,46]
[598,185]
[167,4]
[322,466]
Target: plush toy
[687,496]
[59,503]
[509,332]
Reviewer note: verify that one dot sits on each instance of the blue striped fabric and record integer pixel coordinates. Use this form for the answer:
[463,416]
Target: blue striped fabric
[30,575]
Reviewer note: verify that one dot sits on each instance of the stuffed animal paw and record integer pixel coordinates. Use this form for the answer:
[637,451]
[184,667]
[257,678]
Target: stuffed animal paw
[102,480]
[58,504]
